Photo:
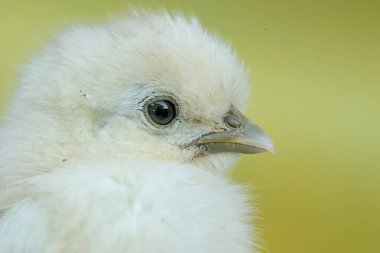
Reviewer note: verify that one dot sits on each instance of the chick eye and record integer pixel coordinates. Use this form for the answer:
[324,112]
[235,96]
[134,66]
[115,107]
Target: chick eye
[161,112]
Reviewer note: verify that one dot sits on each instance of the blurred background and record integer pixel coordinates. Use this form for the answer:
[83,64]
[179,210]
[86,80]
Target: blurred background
[315,75]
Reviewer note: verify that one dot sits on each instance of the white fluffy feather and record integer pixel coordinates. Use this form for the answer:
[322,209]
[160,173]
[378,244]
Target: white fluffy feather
[81,170]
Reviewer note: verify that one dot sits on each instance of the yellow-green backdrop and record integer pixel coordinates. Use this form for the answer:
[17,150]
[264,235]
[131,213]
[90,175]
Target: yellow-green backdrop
[315,72]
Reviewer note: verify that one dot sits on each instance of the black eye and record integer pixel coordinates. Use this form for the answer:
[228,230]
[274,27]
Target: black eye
[161,112]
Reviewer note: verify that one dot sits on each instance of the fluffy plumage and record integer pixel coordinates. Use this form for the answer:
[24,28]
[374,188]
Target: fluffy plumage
[83,170]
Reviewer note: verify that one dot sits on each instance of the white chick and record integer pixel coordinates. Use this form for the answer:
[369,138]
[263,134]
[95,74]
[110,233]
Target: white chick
[118,139]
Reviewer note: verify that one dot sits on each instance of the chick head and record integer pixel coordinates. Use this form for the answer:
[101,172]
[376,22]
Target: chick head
[156,85]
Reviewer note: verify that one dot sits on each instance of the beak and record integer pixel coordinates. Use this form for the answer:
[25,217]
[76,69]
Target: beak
[242,136]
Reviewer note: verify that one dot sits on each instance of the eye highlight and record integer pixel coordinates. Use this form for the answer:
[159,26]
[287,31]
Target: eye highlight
[161,111]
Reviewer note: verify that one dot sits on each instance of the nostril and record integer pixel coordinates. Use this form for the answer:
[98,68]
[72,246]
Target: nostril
[232,121]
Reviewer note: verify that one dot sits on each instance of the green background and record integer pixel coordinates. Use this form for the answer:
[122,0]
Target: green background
[315,72]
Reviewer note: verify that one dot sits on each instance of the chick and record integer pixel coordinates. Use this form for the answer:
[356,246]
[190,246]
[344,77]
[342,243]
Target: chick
[118,139]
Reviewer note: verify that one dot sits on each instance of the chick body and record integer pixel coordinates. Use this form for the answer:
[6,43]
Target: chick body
[128,205]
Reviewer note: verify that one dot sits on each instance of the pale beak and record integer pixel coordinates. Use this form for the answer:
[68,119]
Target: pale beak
[242,136]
